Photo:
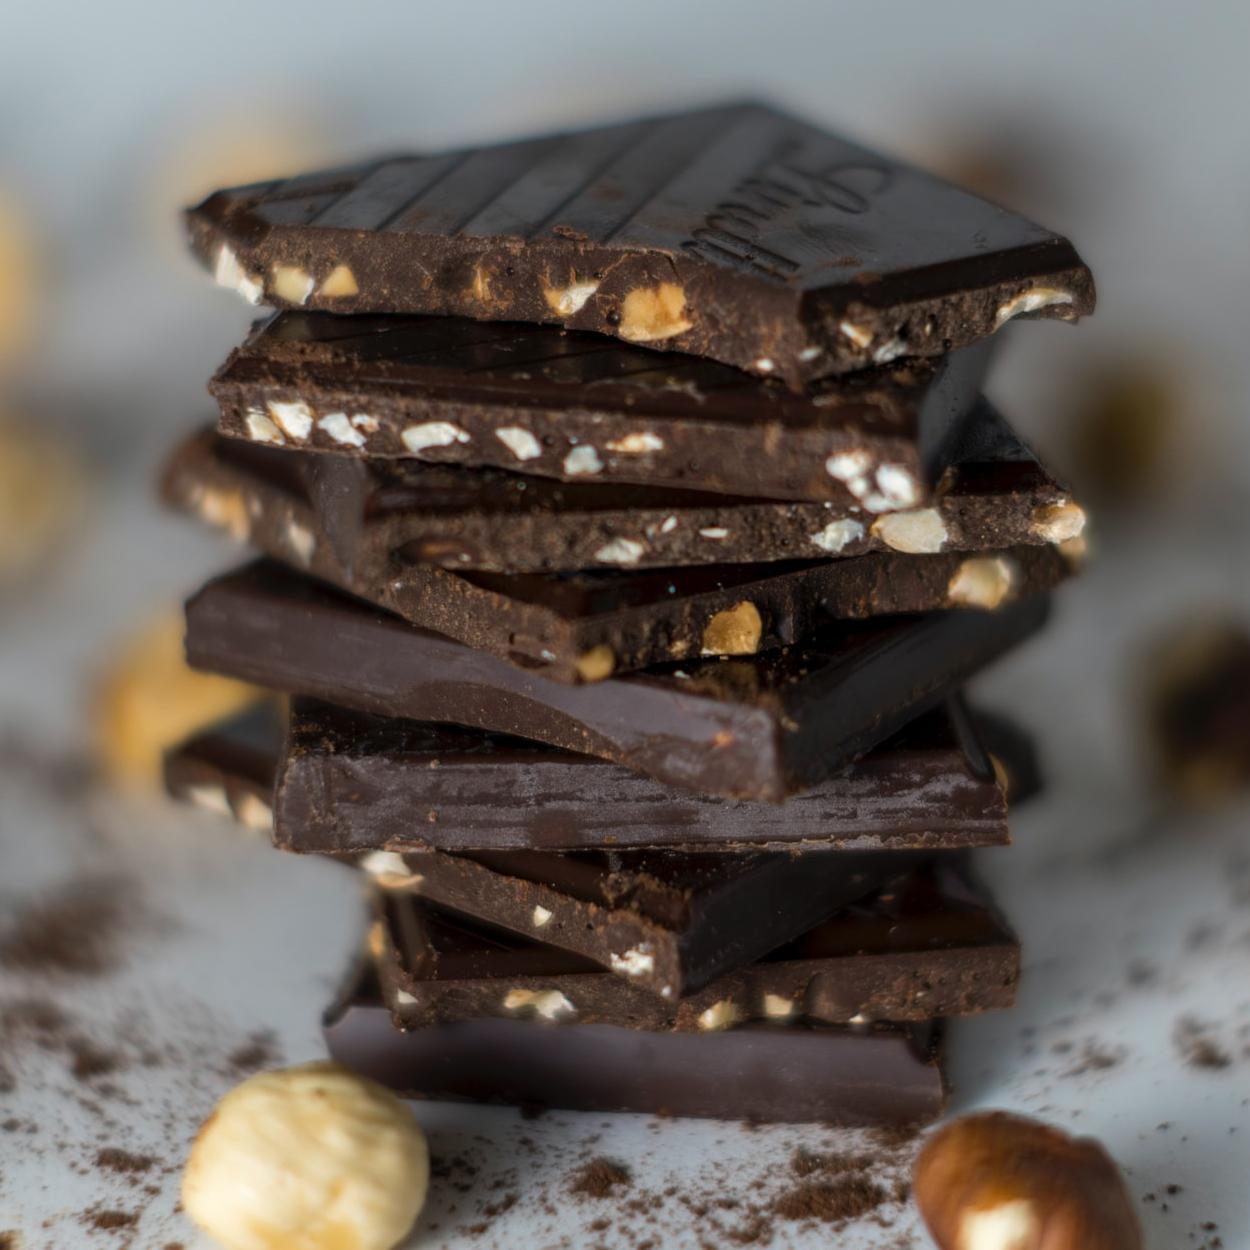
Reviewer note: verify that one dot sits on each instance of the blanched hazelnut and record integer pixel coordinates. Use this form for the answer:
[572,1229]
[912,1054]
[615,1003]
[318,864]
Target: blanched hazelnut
[308,1158]
[1002,1182]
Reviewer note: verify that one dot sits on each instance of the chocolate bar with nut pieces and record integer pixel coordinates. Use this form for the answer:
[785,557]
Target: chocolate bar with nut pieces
[584,409]
[760,727]
[737,233]
[929,943]
[580,627]
[994,495]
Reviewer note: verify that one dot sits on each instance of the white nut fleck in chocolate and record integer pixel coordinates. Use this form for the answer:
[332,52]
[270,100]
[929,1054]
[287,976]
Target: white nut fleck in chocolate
[224,510]
[838,534]
[260,429]
[714,532]
[418,438]
[861,336]
[252,812]
[582,461]
[314,1157]
[809,354]
[920,532]
[982,582]
[339,427]
[540,917]
[229,272]
[404,999]
[651,313]
[290,283]
[566,301]
[763,365]
[897,485]
[846,466]
[390,871]
[734,631]
[637,443]
[1058,522]
[339,283]
[778,1007]
[294,417]
[638,961]
[668,525]
[519,441]
[720,1015]
[363,421]
[620,551]
[301,541]
[550,1004]
[1033,300]
[890,350]
[211,799]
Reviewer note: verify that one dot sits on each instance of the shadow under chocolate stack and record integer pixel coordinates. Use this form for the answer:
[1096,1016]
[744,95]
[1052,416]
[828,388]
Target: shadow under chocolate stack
[630,522]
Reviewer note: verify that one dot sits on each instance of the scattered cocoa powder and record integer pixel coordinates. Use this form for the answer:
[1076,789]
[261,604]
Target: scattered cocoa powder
[599,1178]
[1197,1047]
[109,1221]
[112,1159]
[834,1201]
[259,1051]
[74,930]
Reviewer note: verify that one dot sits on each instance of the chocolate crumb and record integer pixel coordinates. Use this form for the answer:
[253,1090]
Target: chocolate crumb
[109,1221]
[114,1160]
[1197,1047]
[599,1178]
[832,1202]
[10,1241]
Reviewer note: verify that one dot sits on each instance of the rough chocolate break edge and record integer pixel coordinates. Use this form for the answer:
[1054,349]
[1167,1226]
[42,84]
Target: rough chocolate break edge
[930,943]
[582,627]
[994,495]
[737,233]
[582,408]
[759,727]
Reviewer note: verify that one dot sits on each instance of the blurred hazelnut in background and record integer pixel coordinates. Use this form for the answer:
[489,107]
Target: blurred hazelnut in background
[18,268]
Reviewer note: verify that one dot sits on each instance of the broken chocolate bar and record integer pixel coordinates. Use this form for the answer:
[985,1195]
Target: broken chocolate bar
[737,233]
[995,495]
[577,627]
[928,944]
[583,409]
[860,1075]
[759,727]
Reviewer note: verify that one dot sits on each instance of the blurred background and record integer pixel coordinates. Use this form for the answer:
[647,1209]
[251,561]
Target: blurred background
[1122,124]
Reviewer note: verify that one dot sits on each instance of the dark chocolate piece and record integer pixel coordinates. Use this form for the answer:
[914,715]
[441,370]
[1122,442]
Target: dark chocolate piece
[584,409]
[229,768]
[577,627]
[668,922]
[759,728]
[885,1074]
[928,944]
[738,233]
[497,522]
[931,787]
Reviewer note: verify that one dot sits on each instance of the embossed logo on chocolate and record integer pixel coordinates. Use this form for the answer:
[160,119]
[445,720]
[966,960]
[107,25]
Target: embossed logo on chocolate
[785,194]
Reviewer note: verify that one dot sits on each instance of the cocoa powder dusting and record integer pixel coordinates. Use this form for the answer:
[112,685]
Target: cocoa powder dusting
[112,1159]
[74,930]
[832,1201]
[599,1178]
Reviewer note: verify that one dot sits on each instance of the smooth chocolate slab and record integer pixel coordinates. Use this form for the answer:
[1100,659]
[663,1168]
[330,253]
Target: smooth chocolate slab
[351,783]
[996,495]
[582,408]
[887,1074]
[576,627]
[927,944]
[737,233]
[761,727]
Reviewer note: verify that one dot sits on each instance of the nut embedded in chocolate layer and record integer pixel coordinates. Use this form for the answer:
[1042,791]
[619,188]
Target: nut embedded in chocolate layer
[1003,1182]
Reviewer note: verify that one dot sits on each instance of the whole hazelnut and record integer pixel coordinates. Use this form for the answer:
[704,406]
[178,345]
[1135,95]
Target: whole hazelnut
[1003,1182]
[308,1158]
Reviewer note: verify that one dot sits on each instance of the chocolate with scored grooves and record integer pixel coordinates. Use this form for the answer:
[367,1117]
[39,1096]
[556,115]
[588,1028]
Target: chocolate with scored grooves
[882,1075]
[927,944]
[760,727]
[581,408]
[575,627]
[994,495]
[737,233]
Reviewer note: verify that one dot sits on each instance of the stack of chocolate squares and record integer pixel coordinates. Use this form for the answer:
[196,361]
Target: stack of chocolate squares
[631,523]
